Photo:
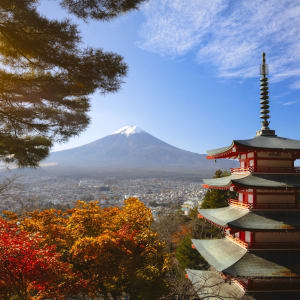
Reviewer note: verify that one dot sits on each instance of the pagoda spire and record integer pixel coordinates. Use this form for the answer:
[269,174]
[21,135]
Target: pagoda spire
[264,99]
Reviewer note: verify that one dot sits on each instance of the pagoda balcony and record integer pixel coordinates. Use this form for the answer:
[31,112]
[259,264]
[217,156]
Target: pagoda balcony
[237,241]
[235,202]
[265,170]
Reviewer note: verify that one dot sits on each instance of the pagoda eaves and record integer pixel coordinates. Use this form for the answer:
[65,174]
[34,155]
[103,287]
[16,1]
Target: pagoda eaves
[256,220]
[253,180]
[258,143]
[230,258]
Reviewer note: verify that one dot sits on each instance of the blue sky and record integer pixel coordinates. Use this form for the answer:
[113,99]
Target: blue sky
[193,70]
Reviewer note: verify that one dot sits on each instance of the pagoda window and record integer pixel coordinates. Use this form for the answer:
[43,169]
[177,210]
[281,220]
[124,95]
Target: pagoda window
[241,197]
[250,198]
[250,155]
[251,162]
[242,164]
[248,236]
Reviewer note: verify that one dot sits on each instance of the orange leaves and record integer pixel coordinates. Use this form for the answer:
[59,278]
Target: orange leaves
[114,248]
[179,235]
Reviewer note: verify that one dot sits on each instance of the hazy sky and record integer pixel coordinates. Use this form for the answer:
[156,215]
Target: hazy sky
[193,70]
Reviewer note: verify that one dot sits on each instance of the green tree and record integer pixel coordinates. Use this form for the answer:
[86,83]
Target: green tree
[193,214]
[47,75]
[215,198]
[188,257]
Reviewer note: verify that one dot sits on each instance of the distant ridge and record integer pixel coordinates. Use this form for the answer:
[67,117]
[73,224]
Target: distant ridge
[131,149]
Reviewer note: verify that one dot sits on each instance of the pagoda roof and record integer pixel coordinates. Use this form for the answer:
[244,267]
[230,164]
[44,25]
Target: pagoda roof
[230,258]
[256,180]
[210,284]
[270,142]
[236,217]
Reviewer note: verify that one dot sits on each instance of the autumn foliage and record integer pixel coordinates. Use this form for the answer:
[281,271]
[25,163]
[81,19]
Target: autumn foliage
[31,269]
[111,250]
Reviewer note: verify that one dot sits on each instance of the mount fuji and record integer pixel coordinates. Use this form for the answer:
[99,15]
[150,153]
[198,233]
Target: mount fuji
[132,149]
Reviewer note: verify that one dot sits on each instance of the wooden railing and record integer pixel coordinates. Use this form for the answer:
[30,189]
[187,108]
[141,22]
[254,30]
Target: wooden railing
[265,170]
[237,241]
[242,170]
[235,202]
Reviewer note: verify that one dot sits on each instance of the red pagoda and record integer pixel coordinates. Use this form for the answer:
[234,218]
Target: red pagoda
[260,253]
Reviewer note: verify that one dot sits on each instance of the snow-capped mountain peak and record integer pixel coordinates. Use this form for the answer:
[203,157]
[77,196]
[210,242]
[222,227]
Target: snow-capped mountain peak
[128,130]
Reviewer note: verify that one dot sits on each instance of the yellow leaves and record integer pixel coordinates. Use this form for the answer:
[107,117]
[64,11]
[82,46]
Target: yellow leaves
[88,219]
[135,213]
[113,246]
[9,215]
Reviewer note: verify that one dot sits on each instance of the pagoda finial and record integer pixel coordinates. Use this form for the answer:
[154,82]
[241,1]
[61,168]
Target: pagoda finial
[264,99]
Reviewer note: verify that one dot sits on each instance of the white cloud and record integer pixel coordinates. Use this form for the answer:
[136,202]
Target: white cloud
[295,85]
[173,27]
[229,34]
[289,103]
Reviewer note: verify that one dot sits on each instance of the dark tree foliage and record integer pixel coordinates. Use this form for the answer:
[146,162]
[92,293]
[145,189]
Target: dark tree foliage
[100,9]
[188,257]
[217,198]
[46,75]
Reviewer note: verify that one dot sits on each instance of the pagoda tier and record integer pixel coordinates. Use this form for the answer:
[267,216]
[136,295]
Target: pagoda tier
[255,180]
[211,285]
[257,220]
[259,143]
[226,256]
[261,190]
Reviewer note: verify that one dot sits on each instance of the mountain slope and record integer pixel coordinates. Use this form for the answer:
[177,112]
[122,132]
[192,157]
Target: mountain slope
[133,148]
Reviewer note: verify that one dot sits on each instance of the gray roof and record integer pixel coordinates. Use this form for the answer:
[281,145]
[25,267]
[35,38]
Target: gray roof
[210,285]
[220,253]
[257,180]
[219,150]
[230,258]
[223,216]
[252,220]
[261,141]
